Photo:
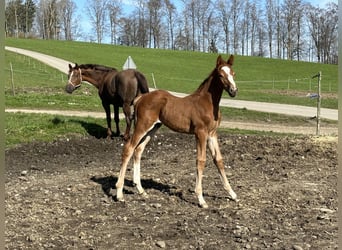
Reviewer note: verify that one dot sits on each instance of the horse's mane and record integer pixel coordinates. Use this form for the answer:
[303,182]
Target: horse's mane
[96,67]
[201,86]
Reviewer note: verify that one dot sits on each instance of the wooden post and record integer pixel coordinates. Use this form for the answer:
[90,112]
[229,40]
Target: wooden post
[319,76]
[319,104]
[154,82]
[12,80]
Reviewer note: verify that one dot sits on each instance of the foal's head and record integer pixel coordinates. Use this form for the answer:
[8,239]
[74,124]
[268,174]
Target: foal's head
[227,74]
[74,78]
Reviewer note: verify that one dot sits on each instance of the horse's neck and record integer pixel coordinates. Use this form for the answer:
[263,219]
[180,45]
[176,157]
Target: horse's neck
[213,87]
[92,78]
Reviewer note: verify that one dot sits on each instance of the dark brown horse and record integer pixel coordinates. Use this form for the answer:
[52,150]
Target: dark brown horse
[115,88]
[197,114]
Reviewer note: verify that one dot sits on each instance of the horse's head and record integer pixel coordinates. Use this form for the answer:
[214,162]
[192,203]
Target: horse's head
[227,74]
[74,78]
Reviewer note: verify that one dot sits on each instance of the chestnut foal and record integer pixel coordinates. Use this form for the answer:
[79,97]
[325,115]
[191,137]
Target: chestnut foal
[197,114]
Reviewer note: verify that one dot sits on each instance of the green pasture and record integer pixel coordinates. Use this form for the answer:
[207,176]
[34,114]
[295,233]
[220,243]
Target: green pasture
[32,84]
[258,79]
[25,128]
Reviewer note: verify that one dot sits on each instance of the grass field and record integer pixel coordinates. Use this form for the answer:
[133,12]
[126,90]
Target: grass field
[32,84]
[258,79]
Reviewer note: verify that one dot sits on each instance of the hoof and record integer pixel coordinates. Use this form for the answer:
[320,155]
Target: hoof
[120,199]
[233,195]
[144,194]
[204,205]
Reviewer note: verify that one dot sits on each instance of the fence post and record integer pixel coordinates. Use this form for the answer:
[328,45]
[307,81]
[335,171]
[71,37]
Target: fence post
[319,76]
[12,80]
[154,82]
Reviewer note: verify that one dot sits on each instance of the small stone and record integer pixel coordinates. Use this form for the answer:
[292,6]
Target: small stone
[23,173]
[161,244]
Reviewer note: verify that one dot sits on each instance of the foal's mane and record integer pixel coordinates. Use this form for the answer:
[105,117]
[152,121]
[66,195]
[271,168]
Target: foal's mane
[205,81]
[96,67]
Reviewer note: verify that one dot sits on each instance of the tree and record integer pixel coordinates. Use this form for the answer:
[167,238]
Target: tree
[114,12]
[47,19]
[66,11]
[292,12]
[154,12]
[96,10]
[323,31]
[270,24]
[19,17]
[225,16]
[170,11]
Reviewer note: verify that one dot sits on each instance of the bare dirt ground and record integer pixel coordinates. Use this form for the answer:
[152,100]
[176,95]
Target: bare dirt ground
[61,195]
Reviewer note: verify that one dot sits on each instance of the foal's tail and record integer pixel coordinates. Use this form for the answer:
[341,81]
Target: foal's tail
[142,82]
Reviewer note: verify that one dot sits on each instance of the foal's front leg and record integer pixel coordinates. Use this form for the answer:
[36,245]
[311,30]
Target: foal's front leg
[217,157]
[201,143]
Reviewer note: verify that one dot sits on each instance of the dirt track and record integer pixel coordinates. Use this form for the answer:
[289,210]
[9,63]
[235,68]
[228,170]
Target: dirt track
[61,195]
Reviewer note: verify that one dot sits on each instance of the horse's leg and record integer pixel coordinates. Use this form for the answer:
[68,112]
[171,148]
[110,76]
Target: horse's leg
[127,111]
[137,157]
[109,126]
[201,141]
[136,165]
[135,145]
[217,158]
[126,156]
[117,119]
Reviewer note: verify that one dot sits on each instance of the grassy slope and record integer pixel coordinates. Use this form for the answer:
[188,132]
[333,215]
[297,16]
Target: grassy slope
[183,71]
[39,86]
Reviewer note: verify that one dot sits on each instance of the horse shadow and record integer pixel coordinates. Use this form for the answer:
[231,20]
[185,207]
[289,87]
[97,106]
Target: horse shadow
[108,184]
[93,129]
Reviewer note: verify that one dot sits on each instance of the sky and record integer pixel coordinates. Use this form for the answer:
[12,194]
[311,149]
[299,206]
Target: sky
[129,5]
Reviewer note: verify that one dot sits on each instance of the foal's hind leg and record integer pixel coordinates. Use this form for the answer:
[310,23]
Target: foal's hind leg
[217,157]
[126,156]
[136,165]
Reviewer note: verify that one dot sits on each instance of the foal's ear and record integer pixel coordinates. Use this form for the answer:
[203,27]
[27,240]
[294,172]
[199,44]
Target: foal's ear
[70,67]
[219,61]
[231,60]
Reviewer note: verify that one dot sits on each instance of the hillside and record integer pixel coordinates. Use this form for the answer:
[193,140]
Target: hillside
[259,79]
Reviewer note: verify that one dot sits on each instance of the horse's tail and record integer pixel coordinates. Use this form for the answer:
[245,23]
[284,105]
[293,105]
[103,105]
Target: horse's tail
[136,99]
[142,82]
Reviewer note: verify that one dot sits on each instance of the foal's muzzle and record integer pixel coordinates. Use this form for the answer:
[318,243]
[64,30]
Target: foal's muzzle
[232,92]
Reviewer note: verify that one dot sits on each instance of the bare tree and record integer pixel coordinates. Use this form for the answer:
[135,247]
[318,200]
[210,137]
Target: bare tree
[291,10]
[236,8]
[47,18]
[170,11]
[270,24]
[224,16]
[96,10]
[66,11]
[129,30]
[141,13]
[114,12]
[154,12]
[323,30]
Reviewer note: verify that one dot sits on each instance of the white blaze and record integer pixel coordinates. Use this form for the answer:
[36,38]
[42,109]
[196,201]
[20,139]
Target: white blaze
[227,70]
